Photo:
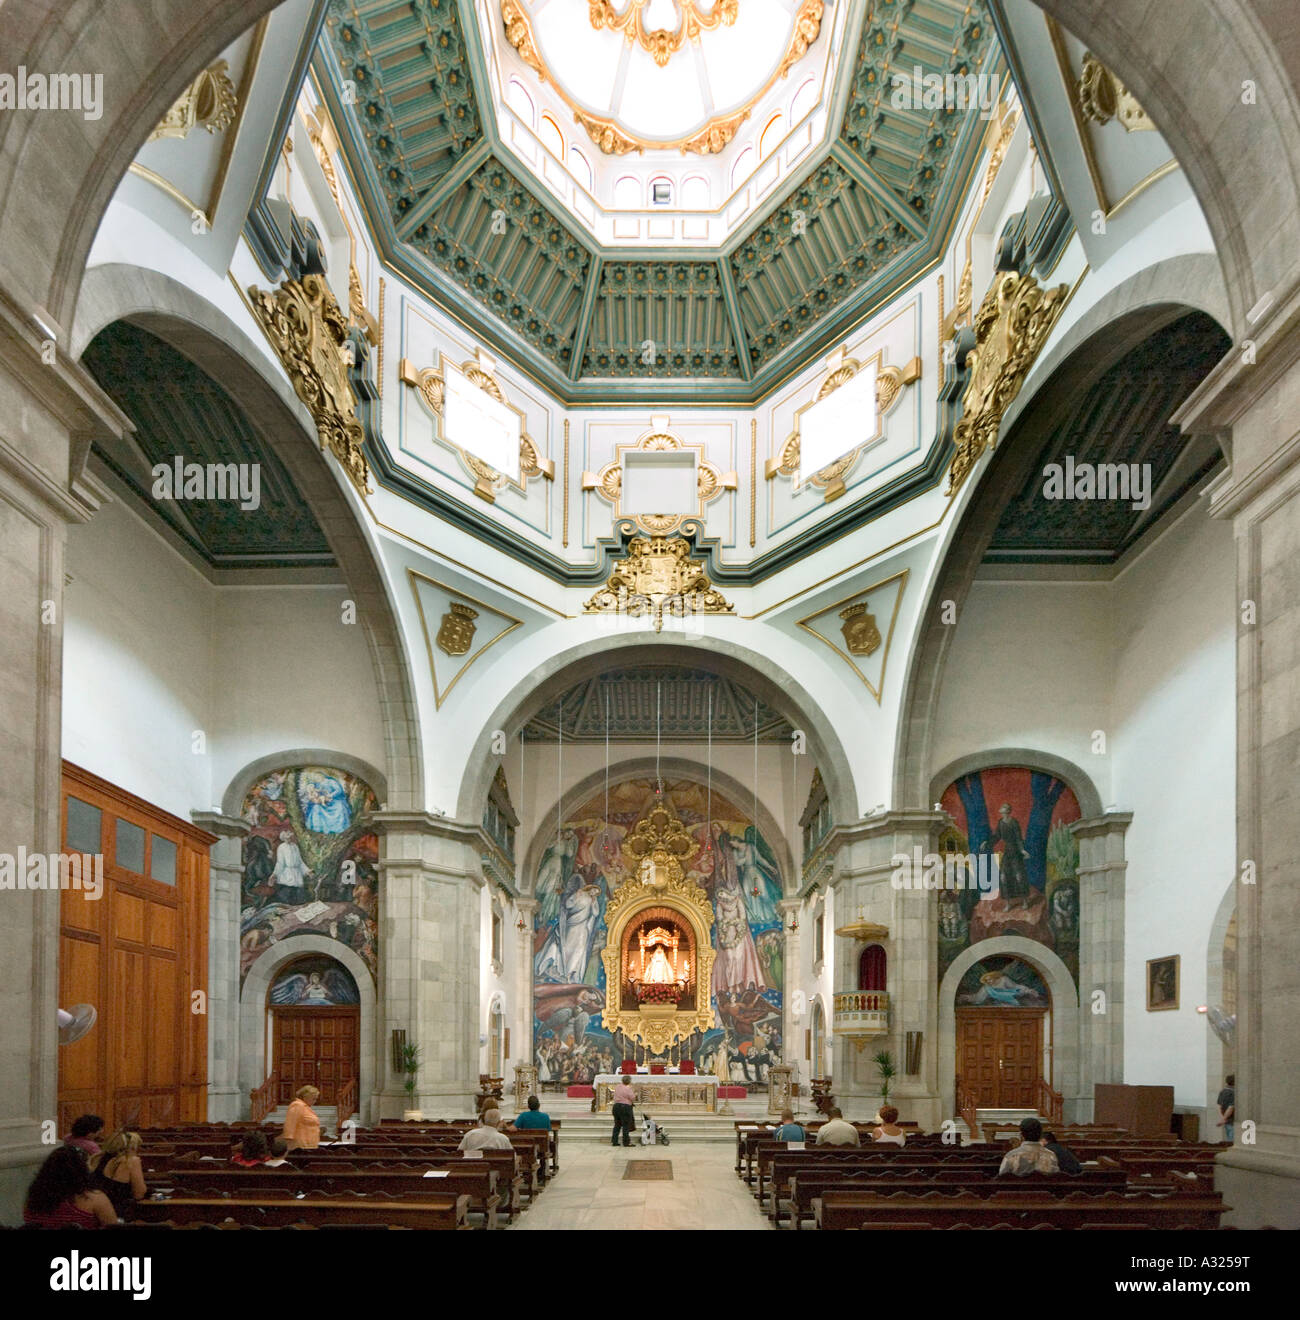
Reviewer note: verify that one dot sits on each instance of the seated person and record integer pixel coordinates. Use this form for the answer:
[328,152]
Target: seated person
[487,1136]
[117,1172]
[1030,1156]
[789,1129]
[888,1131]
[533,1117]
[61,1195]
[83,1134]
[253,1150]
[836,1132]
[276,1159]
[1065,1158]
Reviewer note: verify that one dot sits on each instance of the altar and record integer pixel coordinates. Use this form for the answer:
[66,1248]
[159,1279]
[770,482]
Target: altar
[675,1092]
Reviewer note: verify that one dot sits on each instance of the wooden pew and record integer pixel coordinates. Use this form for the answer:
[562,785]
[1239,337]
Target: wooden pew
[433,1213]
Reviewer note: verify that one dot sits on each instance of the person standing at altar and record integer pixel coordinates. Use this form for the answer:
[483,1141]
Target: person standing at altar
[624,1115]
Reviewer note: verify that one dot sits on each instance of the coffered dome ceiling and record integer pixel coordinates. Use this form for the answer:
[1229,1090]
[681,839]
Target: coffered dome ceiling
[839,226]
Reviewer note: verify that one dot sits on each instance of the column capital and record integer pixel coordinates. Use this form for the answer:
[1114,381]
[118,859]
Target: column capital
[1109,822]
[230,827]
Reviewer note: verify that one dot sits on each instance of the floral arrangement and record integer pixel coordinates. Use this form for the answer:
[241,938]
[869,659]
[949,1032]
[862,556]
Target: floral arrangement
[648,992]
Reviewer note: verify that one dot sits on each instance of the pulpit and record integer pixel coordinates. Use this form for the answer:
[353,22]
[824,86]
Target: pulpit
[780,1088]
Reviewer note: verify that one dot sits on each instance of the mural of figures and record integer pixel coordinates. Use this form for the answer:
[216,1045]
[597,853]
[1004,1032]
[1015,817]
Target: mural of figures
[1022,818]
[579,872]
[1003,982]
[310,862]
[315,980]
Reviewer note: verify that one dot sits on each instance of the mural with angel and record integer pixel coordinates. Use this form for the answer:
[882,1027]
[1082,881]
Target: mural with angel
[315,980]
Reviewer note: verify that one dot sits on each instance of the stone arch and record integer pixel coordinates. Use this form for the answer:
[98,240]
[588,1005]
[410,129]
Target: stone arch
[1116,324]
[200,330]
[635,768]
[559,672]
[232,801]
[1214,983]
[253,1039]
[1084,789]
[1065,1016]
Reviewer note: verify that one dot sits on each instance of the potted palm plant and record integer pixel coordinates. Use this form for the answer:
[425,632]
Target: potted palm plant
[411,1067]
[884,1062]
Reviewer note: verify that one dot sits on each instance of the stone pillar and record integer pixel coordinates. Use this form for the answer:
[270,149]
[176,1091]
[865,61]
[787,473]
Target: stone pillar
[1101,962]
[50,412]
[429,923]
[795,1014]
[1256,396]
[523,998]
[863,871]
[226,1101]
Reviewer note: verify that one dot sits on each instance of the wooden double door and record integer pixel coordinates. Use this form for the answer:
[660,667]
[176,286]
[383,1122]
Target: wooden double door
[1000,1055]
[318,1047]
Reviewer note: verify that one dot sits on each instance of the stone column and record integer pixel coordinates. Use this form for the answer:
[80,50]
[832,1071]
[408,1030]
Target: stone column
[50,412]
[226,1101]
[523,997]
[429,960]
[795,1016]
[1257,396]
[1101,962]
[863,871]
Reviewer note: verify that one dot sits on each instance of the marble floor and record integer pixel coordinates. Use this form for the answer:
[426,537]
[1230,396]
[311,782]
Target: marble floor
[590,1191]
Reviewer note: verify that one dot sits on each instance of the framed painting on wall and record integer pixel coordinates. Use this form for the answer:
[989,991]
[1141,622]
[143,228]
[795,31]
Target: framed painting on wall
[1162,983]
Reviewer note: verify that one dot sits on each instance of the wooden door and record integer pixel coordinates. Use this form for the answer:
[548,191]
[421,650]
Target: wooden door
[315,1047]
[1000,1054]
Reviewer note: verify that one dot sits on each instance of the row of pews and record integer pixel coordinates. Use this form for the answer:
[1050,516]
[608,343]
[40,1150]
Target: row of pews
[1127,1183]
[394,1176]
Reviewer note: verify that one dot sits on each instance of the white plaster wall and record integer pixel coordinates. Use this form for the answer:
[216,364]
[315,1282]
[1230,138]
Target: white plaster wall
[137,662]
[154,653]
[1175,770]
[1030,666]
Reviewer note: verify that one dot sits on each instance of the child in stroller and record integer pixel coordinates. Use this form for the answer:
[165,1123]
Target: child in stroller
[652,1133]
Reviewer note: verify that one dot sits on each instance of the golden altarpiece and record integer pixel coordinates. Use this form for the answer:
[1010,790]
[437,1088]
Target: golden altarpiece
[659,955]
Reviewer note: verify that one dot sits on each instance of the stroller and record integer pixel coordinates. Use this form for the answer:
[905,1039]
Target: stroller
[652,1133]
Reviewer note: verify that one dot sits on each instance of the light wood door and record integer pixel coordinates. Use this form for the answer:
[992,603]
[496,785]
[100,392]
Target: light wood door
[315,1047]
[1000,1054]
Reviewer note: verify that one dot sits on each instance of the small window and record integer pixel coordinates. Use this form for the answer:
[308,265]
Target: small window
[162,860]
[496,937]
[695,193]
[580,167]
[740,170]
[552,138]
[84,826]
[627,193]
[520,102]
[129,853]
[661,192]
[819,938]
[771,136]
[803,101]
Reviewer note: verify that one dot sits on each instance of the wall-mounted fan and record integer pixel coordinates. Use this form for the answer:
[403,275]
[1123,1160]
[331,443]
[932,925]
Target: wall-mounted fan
[74,1022]
[1222,1024]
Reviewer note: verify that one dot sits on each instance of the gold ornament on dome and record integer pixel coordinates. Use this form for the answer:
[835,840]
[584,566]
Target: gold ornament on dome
[662,44]
[1006,132]
[889,387]
[209,102]
[657,577]
[654,851]
[429,384]
[861,635]
[456,630]
[308,330]
[713,136]
[1102,97]
[1011,327]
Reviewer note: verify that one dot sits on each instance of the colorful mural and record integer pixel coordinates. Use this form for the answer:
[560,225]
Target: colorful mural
[314,980]
[1003,982]
[735,866]
[310,863]
[1022,817]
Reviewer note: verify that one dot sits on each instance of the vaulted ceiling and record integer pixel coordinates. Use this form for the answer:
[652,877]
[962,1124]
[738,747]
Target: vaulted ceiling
[1124,418]
[877,200]
[682,704]
[179,411]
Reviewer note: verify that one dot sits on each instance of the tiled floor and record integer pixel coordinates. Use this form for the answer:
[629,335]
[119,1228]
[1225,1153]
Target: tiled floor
[590,1191]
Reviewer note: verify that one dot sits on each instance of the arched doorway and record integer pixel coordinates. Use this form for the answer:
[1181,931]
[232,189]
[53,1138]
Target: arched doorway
[314,1027]
[1003,1009]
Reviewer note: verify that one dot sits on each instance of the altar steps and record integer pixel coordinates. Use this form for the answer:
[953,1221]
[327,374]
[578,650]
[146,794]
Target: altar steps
[590,1129]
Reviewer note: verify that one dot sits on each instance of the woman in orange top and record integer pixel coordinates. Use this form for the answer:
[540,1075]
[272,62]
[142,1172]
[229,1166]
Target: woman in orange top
[301,1126]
